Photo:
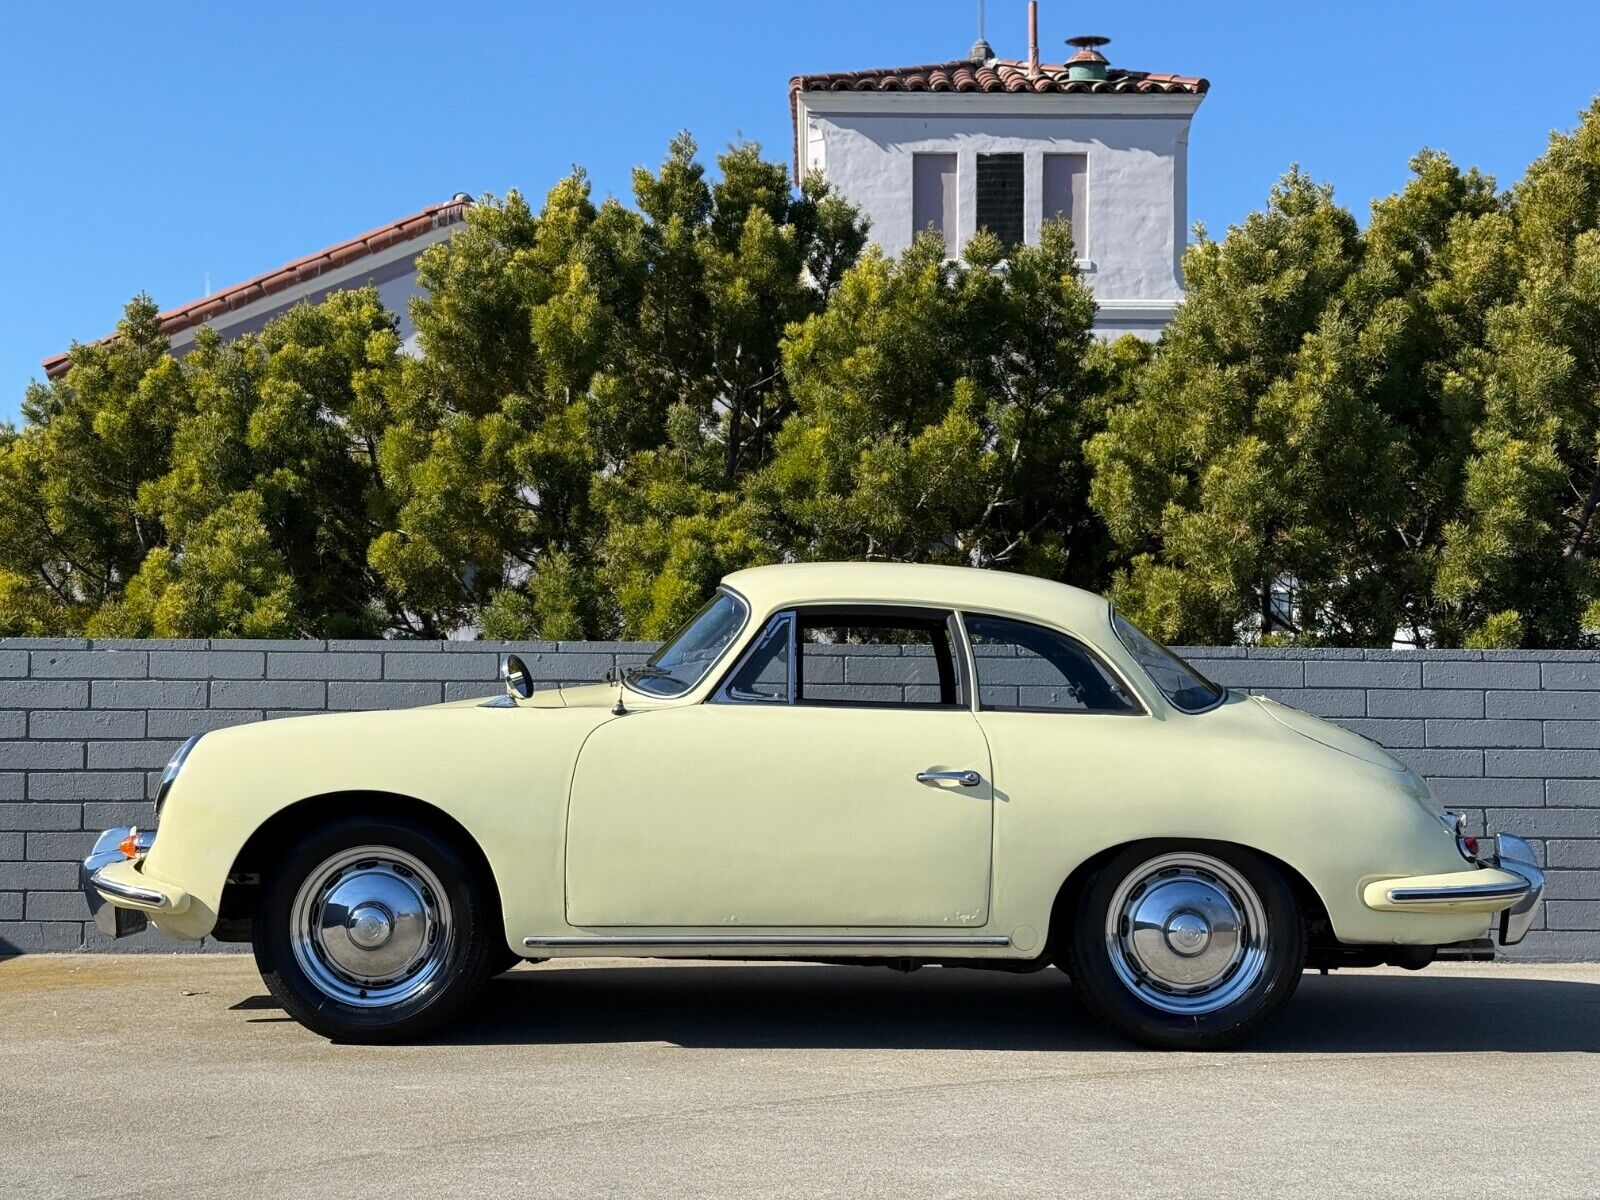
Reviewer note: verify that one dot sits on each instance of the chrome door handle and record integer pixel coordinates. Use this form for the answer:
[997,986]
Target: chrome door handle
[964,778]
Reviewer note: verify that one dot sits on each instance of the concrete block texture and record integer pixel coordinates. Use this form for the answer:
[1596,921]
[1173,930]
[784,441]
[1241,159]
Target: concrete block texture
[1509,738]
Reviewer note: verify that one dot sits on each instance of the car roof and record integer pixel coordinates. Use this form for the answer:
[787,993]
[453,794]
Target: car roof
[773,587]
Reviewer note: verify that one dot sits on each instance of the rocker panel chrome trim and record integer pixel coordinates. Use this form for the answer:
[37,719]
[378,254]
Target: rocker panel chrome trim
[766,939]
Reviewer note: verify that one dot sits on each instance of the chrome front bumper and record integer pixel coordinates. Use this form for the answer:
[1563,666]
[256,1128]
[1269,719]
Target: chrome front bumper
[102,893]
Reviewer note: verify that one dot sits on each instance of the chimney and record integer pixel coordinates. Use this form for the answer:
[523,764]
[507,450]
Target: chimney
[1033,39]
[1088,64]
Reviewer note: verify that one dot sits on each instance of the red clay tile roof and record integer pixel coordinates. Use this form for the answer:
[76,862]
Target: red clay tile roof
[197,312]
[995,75]
[998,75]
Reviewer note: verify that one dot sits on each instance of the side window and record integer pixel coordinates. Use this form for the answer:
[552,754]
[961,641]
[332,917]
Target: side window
[1026,668]
[876,657]
[763,675]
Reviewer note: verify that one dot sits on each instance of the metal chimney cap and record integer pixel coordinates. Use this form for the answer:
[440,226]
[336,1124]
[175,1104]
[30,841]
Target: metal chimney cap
[981,51]
[1088,64]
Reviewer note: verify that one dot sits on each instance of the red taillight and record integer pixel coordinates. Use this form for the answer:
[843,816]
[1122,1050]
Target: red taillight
[1470,845]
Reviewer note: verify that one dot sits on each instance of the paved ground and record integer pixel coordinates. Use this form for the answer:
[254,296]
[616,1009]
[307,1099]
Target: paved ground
[176,1075]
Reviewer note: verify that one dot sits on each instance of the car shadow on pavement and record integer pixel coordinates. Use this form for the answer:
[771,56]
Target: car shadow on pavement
[802,1007]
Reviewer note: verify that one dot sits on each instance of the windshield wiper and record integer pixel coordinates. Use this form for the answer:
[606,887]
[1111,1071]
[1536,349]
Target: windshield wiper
[646,671]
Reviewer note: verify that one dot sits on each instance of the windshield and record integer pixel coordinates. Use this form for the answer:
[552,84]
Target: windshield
[1181,684]
[684,661]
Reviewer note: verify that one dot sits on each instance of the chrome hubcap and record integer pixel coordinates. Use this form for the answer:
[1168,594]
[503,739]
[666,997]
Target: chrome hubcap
[371,926]
[1186,933]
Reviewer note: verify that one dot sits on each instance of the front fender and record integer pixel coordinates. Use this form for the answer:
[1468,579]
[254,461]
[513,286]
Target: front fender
[502,773]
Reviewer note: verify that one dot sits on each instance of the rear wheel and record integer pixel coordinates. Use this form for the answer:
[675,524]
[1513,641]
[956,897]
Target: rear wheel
[1186,947]
[374,930]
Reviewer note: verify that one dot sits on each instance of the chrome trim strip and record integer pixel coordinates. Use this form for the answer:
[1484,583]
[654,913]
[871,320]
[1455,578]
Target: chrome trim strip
[1468,891]
[721,694]
[770,939]
[969,661]
[127,891]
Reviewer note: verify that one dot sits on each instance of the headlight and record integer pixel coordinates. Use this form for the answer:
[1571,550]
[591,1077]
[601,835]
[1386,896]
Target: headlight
[174,765]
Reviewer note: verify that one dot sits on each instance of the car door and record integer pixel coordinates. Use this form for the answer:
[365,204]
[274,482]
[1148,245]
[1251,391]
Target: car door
[1074,752]
[793,797]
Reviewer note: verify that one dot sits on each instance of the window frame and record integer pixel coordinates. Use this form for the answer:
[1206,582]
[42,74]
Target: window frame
[699,680]
[722,694]
[1012,158]
[955,633]
[949,227]
[1140,707]
[1078,221]
[1222,692]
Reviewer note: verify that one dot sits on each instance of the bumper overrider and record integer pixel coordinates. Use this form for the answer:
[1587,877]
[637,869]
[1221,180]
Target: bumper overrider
[122,897]
[1507,881]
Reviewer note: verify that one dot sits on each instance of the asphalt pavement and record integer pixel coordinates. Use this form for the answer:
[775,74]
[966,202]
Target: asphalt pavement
[175,1075]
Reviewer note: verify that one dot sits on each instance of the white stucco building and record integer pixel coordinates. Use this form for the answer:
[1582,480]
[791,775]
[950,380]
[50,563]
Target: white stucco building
[1005,144]
[384,258]
[978,142]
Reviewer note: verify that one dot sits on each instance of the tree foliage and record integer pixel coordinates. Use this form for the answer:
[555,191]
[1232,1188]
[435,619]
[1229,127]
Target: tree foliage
[1349,432]
[942,410]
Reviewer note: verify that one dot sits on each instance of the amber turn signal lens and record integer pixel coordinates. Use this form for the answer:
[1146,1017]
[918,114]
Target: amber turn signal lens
[130,845]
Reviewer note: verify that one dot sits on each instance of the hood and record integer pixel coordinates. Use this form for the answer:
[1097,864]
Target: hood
[1328,734]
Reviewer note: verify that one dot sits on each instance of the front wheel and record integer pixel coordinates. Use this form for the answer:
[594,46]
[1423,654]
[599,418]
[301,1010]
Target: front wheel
[1185,947]
[374,930]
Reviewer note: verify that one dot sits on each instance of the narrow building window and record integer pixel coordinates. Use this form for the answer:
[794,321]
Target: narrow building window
[1000,196]
[933,196]
[1066,195]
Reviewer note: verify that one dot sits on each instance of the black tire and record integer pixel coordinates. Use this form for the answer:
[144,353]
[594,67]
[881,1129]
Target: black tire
[1119,988]
[461,955]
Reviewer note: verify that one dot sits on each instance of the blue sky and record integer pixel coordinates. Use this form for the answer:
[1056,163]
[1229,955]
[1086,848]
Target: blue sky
[151,147]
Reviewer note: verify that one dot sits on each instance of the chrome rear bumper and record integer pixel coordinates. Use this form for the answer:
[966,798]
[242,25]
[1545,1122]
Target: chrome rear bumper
[1513,854]
[1501,881]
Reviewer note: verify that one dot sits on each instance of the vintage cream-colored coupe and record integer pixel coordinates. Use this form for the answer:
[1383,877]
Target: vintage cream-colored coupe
[839,762]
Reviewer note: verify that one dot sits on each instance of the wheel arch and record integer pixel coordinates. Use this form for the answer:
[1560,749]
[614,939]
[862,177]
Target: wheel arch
[294,820]
[1319,930]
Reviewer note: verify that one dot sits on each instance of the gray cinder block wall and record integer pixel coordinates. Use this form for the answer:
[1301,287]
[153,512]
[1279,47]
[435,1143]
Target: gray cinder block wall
[1512,738]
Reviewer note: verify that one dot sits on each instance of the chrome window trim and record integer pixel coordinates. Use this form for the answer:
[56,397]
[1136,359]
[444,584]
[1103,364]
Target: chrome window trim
[969,663]
[733,643]
[1222,692]
[721,695]
[796,609]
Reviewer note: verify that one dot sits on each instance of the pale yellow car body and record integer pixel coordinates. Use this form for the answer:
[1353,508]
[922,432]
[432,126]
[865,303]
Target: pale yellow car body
[692,828]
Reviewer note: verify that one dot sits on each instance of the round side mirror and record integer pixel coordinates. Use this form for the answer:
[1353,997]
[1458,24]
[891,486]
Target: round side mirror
[515,672]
